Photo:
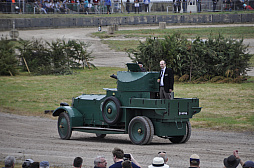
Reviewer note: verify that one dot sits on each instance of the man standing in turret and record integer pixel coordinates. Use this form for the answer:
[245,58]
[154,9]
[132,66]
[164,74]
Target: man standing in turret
[166,81]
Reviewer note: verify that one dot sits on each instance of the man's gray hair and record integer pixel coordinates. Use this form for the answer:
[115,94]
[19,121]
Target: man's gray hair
[9,161]
[97,160]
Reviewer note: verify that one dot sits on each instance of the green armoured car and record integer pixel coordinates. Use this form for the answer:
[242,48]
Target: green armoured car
[132,108]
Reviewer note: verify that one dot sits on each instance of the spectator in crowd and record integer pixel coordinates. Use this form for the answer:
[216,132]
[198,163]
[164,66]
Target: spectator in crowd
[247,7]
[233,160]
[35,165]
[77,163]
[27,163]
[177,6]
[44,164]
[100,161]
[39,7]
[9,162]
[184,6]
[140,5]
[194,161]
[214,5]
[248,164]
[108,4]
[85,7]
[146,2]
[166,81]
[128,6]
[136,5]
[118,155]
[164,156]
[95,3]
[126,164]
[199,5]
[228,4]
[66,7]
[158,162]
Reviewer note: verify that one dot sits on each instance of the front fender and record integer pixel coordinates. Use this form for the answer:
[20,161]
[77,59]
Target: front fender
[76,118]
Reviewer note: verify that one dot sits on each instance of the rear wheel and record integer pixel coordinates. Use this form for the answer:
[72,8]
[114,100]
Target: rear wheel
[184,138]
[64,127]
[100,135]
[139,130]
[151,129]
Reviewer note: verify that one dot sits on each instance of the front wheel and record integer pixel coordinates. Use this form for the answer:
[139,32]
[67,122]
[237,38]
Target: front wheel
[64,127]
[184,138]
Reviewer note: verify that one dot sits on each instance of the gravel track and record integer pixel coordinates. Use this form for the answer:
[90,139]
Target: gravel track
[37,138]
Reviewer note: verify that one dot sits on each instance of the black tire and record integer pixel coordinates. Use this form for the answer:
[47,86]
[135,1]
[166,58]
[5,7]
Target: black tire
[64,127]
[139,130]
[184,138]
[151,129]
[100,135]
[111,111]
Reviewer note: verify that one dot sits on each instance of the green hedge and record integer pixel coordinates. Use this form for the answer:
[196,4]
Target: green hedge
[214,56]
[8,61]
[58,57]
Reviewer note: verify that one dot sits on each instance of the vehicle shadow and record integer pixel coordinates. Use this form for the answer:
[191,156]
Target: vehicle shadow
[117,140]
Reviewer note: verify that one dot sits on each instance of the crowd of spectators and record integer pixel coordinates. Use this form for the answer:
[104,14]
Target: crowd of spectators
[122,160]
[109,6]
[69,6]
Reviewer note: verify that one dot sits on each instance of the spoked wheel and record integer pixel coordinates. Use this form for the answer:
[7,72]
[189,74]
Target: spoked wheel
[139,130]
[100,135]
[64,127]
[111,111]
[184,138]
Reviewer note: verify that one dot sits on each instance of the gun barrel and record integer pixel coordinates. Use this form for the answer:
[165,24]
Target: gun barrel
[113,76]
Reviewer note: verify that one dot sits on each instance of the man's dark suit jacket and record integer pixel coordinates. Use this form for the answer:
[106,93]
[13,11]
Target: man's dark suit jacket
[168,80]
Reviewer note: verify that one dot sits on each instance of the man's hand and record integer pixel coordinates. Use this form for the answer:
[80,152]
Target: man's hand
[158,80]
[170,90]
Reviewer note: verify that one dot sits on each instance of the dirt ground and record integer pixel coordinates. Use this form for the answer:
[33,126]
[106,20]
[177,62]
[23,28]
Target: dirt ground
[37,137]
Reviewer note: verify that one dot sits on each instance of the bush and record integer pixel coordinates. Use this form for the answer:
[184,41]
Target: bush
[217,78]
[184,78]
[8,61]
[216,56]
[57,57]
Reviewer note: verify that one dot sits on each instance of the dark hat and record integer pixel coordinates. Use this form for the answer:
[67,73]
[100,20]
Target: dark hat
[140,62]
[231,162]
[248,164]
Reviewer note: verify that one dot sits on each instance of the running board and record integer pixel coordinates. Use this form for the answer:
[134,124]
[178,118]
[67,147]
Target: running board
[99,128]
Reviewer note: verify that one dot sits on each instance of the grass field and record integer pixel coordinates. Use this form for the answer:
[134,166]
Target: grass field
[190,33]
[225,106]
